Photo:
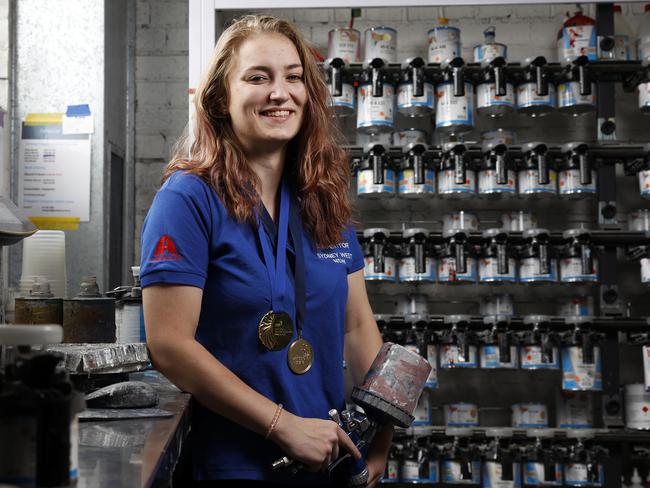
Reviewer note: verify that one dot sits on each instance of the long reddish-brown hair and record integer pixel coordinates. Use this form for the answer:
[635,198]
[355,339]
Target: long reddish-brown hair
[317,164]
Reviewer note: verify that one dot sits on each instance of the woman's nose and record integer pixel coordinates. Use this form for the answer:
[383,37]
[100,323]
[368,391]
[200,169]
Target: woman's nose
[279,91]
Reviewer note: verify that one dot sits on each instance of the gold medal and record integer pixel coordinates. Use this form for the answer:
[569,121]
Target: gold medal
[300,356]
[275,330]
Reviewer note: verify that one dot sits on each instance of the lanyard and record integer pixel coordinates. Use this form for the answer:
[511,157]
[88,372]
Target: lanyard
[295,228]
[276,268]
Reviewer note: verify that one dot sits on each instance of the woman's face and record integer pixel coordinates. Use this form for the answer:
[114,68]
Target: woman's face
[266,92]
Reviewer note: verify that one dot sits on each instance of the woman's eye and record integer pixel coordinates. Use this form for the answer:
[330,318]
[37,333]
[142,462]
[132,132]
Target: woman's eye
[295,77]
[257,78]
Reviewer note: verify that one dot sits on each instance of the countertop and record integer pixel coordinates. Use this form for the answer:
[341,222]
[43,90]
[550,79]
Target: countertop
[135,452]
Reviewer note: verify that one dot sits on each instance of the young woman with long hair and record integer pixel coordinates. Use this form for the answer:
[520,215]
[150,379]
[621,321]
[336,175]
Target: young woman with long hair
[252,275]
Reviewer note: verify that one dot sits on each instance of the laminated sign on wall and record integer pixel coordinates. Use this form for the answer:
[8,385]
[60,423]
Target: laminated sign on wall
[54,173]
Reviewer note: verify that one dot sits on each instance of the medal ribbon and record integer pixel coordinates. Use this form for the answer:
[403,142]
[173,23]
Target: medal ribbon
[276,268]
[295,226]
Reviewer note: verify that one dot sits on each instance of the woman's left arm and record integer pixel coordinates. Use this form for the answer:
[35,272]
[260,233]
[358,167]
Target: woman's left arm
[362,343]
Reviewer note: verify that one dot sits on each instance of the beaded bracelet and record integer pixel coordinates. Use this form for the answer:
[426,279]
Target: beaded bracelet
[274,422]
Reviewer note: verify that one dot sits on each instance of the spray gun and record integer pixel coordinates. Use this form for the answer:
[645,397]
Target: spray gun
[535,157]
[495,157]
[388,396]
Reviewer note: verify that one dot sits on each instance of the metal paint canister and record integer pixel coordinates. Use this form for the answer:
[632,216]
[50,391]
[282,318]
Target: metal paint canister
[577,38]
[375,114]
[498,136]
[488,186]
[530,265]
[416,471]
[406,178]
[493,475]
[571,271]
[379,259]
[413,106]
[391,474]
[345,44]
[448,188]
[532,104]
[409,136]
[490,104]
[577,307]
[89,318]
[380,42]
[575,410]
[644,183]
[535,474]
[366,187]
[491,359]
[423,413]
[570,185]
[518,221]
[443,42]
[454,114]
[644,97]
[529,185]
[571,102]
[529,415]
[645,268]
[645,351]
[530,357]
[577,474]
[450,354]
[637,407]
[447,269]
[578,376]
[500,305]
[639,220]
[381,138]
[127,320]
[415,248]
[488,270]
[461,415]
[489,50]
[344,104]
[452,473]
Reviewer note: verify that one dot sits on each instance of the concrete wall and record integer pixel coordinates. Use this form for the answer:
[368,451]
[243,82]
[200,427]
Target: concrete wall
[5,167]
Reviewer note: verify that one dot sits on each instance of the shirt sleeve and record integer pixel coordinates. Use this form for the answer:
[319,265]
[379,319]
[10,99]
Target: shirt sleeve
[176,234]
[357,262]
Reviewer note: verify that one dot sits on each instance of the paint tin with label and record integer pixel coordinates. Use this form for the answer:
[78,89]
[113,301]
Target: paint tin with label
[535,475]
[529,415]
[409,136]
[645,351]
[493,476]
[450,357]
[518,221]
[490,104]
[579,376]
[379,257]
[432,359]
[643,90]
[452,473]
[491,358]
[367,188]
[447,271]
[534,105]
[637,407]
[570,185]
[575,410]
[380,42]
[417,263]
[423,413]
[415,106]
[345,44]
[461,415]
[443,42]
[531,357]
[345,103]
[416,177]
[448,188]
[644,183]
[571,102]
[577,474]
[375,113]
[488,183]
[454,115]
[530,266]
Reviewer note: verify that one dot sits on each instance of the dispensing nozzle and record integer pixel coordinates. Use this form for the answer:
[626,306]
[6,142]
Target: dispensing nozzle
[377,154]
[415,72]
[536,70]
[581,65]
[335,68]
[454,68]
[456,152]
[376,67]
[579,151]
[415,152]
[417,239]
[536,151]
[539,241]
[498,238]
[496,153]
[377,239]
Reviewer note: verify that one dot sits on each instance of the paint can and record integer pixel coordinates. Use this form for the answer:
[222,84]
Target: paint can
[379,258]
[344,43]
[575,410]
[578,375]
[454,114]
[571,102]
[518,221]
[443,42]
[380,42]
[417,263]
[534,105]
[529,415]
[375,112]
[637,407]
[461,415]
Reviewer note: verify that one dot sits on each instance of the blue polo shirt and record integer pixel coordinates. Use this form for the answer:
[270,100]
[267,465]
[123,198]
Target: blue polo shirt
[188,238]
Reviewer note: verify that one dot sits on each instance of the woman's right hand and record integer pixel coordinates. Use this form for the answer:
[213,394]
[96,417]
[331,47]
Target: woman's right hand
[313,442]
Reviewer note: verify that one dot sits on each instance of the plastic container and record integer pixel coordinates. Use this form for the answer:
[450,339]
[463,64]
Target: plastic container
[577,37]
[443,41]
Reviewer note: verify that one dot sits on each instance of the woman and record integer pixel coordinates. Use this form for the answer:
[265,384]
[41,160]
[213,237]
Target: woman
[252,276]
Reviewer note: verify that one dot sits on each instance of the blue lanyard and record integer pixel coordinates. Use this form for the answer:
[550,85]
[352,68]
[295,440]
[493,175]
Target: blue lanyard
[295,226]
[276,268]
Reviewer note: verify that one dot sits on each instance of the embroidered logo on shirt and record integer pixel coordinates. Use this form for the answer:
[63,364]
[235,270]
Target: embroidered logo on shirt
[165,250]
[336,254]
